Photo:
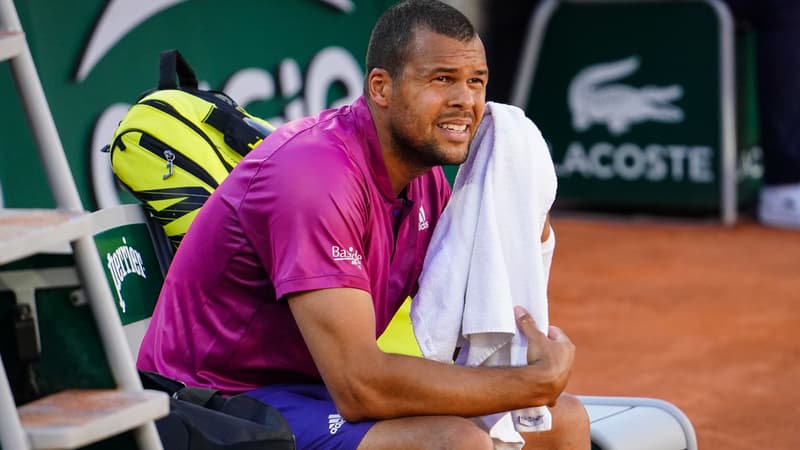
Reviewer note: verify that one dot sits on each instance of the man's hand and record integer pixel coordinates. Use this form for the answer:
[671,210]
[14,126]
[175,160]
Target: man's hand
[554,353]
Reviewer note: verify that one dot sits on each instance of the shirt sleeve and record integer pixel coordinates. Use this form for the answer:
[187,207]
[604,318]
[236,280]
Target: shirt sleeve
[305,214]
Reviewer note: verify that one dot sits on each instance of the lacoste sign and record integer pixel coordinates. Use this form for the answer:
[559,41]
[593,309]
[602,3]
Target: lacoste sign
[631,97]
[596,95]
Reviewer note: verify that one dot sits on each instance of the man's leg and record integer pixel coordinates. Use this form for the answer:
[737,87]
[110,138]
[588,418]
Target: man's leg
[570,428]
[426,432]
[570,432]
[313,417]
[317,425]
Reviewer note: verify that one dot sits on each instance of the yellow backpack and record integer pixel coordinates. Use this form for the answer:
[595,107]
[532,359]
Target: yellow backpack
[177,143]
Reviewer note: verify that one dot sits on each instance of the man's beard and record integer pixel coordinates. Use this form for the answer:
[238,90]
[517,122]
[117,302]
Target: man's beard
[421,154]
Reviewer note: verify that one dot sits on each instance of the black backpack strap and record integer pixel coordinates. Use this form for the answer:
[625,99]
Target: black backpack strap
[158,382]
[173,64]
[209,398]
[238,134]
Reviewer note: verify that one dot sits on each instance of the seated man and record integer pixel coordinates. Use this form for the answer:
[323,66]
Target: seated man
[300,259]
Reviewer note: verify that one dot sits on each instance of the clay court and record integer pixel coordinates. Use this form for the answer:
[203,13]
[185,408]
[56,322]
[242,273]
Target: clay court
[703,316]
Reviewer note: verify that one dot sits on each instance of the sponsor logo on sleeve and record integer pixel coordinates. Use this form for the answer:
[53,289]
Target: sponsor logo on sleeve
[346,254]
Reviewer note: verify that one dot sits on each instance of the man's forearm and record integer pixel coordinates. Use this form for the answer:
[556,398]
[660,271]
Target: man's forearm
[338,326]
[400,386]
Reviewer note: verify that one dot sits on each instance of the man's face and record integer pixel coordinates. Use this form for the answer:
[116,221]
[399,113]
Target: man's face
[438,99]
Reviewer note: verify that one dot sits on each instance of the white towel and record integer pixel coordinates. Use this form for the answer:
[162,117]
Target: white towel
[486,256]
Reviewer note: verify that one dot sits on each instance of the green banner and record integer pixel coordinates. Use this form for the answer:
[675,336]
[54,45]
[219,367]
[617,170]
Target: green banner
[280,60]
[628,96]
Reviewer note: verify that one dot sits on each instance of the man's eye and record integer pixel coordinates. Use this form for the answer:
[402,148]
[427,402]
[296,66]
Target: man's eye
[442,78]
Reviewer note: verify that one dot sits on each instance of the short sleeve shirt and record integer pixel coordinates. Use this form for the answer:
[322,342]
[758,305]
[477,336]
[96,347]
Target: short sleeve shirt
[310,208]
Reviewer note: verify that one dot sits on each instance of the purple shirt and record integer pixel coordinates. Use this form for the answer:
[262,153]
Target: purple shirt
[312,207]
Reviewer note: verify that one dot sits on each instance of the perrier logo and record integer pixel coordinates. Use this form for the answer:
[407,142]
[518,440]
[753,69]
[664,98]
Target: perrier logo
[124,261]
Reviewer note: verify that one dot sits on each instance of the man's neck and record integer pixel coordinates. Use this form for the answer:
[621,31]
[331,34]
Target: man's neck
[399,171]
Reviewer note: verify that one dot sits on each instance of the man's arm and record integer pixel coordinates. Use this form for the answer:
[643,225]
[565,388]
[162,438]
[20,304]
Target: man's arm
[338,326]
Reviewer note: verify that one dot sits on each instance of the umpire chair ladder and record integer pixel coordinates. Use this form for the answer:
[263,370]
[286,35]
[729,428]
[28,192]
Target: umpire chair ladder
[72,418]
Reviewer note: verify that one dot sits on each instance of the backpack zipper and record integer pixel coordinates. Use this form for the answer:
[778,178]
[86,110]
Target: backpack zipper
[162,150]
[175,158]
[170,110]
[170,157]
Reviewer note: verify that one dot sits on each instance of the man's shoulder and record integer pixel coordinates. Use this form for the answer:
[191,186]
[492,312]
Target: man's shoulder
[333,135]
[319,156]
[326,128]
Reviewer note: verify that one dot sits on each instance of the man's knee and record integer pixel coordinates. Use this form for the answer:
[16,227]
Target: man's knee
[571,423]
[428,432]
[572,413]
[464,434]
[570,428]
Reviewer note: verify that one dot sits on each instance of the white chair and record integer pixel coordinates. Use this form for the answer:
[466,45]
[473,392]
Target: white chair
[637,423]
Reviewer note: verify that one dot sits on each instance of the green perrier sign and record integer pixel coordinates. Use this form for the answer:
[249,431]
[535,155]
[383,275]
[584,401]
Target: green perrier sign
[132,270]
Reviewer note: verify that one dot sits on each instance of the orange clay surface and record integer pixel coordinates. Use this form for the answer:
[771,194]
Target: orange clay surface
[703,316]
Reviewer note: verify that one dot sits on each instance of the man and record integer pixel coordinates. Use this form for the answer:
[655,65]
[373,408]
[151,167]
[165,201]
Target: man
[302,256]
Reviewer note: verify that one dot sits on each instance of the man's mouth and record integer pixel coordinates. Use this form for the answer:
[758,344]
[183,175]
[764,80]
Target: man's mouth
[453,127]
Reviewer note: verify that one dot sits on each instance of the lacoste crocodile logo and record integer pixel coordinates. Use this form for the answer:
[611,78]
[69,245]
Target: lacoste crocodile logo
[594,98]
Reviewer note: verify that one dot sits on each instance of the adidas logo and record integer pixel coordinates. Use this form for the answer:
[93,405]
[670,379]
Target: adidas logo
[335,422]
[423,221]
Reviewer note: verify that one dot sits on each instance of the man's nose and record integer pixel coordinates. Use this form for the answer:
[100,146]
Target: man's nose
[462,95]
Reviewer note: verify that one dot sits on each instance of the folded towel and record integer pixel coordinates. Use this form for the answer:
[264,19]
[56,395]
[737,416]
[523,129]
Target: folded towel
[486,256]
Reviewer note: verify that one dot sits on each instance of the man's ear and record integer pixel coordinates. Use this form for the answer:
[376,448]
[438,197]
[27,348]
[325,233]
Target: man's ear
[379,86]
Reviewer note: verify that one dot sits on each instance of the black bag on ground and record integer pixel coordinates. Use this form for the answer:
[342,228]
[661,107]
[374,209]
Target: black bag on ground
[203,419]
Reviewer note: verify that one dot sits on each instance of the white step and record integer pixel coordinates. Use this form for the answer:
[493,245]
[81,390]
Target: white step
[25,232]
[12,43]
[76,418]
